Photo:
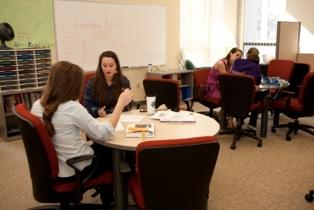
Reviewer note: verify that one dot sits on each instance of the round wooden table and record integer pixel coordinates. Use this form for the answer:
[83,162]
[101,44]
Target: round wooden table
[203,126]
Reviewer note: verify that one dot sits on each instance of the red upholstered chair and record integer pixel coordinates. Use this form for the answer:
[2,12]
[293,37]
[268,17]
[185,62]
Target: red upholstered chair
[280,68]
[174,174]
[296,107]
[237,100]
[200,76]
[167,92]
[87,76]
[43,167]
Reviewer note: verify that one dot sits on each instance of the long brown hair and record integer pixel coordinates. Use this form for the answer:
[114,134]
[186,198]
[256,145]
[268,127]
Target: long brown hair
[64,84]
[232,51]
[100,86]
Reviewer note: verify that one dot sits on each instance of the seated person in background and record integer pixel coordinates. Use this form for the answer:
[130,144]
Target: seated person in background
[220,67]
[250,65]
[102,92]
[64,117]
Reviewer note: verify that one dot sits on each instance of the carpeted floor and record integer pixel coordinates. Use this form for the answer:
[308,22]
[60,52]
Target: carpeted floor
[273,177]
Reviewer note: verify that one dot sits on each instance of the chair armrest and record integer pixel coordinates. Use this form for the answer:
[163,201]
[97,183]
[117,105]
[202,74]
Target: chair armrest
[289,93]
[72,161]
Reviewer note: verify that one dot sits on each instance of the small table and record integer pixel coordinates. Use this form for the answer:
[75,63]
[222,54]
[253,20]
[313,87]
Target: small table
[267,88]
[203,126]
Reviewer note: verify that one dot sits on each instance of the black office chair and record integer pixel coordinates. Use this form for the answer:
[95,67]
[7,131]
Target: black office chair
[298,74]
[237,96]
[309,196]
[43,167]
[174,174]
[167,92]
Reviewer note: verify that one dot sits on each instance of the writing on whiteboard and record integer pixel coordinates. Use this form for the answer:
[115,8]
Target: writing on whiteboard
[85,29]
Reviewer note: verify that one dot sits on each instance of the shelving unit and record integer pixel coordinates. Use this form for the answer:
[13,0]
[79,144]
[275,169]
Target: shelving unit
[23,74]
[185,78]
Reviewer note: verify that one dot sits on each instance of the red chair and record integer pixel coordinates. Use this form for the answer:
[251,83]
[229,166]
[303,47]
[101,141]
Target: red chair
[280,68]
[87,76]
[43,167]
[174,174]
[200,86]
[237,100]
[296,107]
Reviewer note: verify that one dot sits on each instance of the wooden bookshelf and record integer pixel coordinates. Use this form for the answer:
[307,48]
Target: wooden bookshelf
[184,77]
[23,74]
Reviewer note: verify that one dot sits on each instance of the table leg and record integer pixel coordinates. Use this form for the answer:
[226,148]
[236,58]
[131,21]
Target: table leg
[264,121]
[119,186]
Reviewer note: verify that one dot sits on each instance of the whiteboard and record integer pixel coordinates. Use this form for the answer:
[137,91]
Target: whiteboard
[137,33]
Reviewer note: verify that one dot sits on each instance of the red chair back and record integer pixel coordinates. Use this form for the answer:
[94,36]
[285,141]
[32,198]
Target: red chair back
[280,68]
[87,76]
[237,94]
[44,168]
[200,76]
[41,155]
[174,174]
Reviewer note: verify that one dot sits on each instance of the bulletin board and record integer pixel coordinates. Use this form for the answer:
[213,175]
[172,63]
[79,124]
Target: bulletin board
[32,22]
[84,29]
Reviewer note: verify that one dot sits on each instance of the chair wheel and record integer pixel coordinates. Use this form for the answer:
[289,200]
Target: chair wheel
[309,197]
[233,146]
[288,138]
[273,129]
[260,144]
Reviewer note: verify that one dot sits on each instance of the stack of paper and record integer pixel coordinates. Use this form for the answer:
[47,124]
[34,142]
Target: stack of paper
[171,116]
[142,130]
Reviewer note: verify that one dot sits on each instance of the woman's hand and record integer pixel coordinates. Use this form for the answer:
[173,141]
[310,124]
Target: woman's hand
[125,97]
[102,112]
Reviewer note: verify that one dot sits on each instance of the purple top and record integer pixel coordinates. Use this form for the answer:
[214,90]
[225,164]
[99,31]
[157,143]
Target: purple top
[249,68]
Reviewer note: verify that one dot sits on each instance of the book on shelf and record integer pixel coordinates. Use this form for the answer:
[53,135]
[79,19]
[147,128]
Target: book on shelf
[140,130]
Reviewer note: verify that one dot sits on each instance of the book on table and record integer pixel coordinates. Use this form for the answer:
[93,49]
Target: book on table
[140,130]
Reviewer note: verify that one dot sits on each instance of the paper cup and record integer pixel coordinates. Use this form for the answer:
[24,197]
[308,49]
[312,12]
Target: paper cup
[150,104]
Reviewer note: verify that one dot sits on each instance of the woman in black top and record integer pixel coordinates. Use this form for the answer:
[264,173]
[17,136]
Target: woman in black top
[102,92]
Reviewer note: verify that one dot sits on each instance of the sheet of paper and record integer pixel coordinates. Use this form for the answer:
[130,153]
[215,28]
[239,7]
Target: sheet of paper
[131,118]
[170,116]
